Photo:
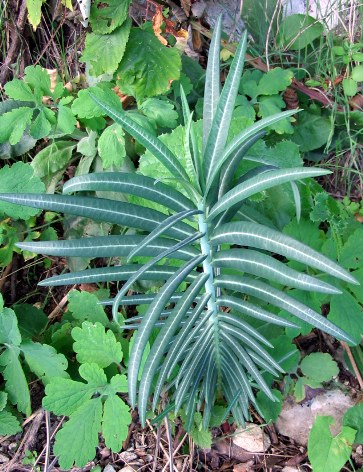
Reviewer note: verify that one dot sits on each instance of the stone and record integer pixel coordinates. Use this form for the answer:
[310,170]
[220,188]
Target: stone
[128,468]
[297,419]
[244,467]
[252,438]
[109,468]
[3,459]
[128,456]
[290,469]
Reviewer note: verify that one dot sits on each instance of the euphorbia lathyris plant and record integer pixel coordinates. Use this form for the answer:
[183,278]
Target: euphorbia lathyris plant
[217,350]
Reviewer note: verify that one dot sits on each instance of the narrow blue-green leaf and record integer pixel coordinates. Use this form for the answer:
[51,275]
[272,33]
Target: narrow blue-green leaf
[162,228]
[190,406]
[218,133]
[138,274]
[262,362]
[134,184]
[212,81]
[297,200]
[179,343]
[193,140]
[229,168]
[111,274]
[106,246]
[241,325]
[144,299]
[260,183]
[258,236]
[248,341]
[162,340]
[239,141]
[153,144]
[282,300]
[233,366]
[262,265]
[100,209]
[252,310]
[150,318]
[249,365]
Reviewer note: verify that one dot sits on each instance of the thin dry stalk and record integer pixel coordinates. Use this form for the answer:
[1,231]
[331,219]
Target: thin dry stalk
[354,364]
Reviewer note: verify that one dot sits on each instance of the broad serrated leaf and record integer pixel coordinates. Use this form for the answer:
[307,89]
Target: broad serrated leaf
[13,124]
[94,344]
[15,381]
[108,15]
[9,424]
[38,78]
[350,258]
[160,112]
[274,81]
[115,422]
[19,178]
[328,452]
[111,146]
[41,127]
[147,67]
[202,438]
[66,121]
[85,107]
[65,396]
[269,106]
[19,90]
[104,51]
[312,131]
[34,12]
[44,361]
[84,307]
[76,442]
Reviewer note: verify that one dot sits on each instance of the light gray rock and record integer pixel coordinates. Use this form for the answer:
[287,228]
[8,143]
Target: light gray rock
[251,439]
[290,469]
[296,420]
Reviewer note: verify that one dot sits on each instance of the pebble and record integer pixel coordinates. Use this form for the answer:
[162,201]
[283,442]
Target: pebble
[251,439]
[128,456]
[3,459]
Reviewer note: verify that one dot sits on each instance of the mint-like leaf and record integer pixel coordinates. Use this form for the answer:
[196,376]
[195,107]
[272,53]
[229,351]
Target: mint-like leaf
[111,146]
[19,90]
[108,15]
[9,424]
[84,307]
[115,421]
[13,124]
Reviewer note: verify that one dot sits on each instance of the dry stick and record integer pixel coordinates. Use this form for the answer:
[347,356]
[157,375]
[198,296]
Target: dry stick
[354,364]
[170,443]
[47,451]
[60,305]
[27,440]
[16,30]
[160,443]
[257,63]
[45,447]
[44,50]
[157,446]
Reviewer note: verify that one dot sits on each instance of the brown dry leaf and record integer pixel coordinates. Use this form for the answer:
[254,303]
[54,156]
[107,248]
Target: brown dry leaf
[126,100]
[53,74]
[356,102]
[185,4]
[158,20]
[359,217]
[181,35]
[244,467]
[88,287]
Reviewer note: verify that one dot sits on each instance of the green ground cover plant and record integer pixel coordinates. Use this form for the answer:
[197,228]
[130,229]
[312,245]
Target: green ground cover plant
[207,253]
[207,224]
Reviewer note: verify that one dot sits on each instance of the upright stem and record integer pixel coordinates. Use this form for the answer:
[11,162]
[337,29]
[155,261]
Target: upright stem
[209,286]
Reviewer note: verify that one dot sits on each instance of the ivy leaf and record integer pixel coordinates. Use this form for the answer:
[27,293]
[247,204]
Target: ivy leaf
[19,90]
[15,381]
[160,112]
[94,344]
[312,131]
[19,178]
[65,396]
[346,312]
[104,51]
[350,258]
[84,307]
[34,12]
[44,361]
[108,15]
[325,451]
[115,421]
[319,366]
[111,146]
[9,424]
[275,81]
[13,124]
[147,67]
[76,442]
[354,419]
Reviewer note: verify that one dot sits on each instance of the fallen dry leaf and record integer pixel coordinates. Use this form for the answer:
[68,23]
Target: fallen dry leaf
[157,21]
